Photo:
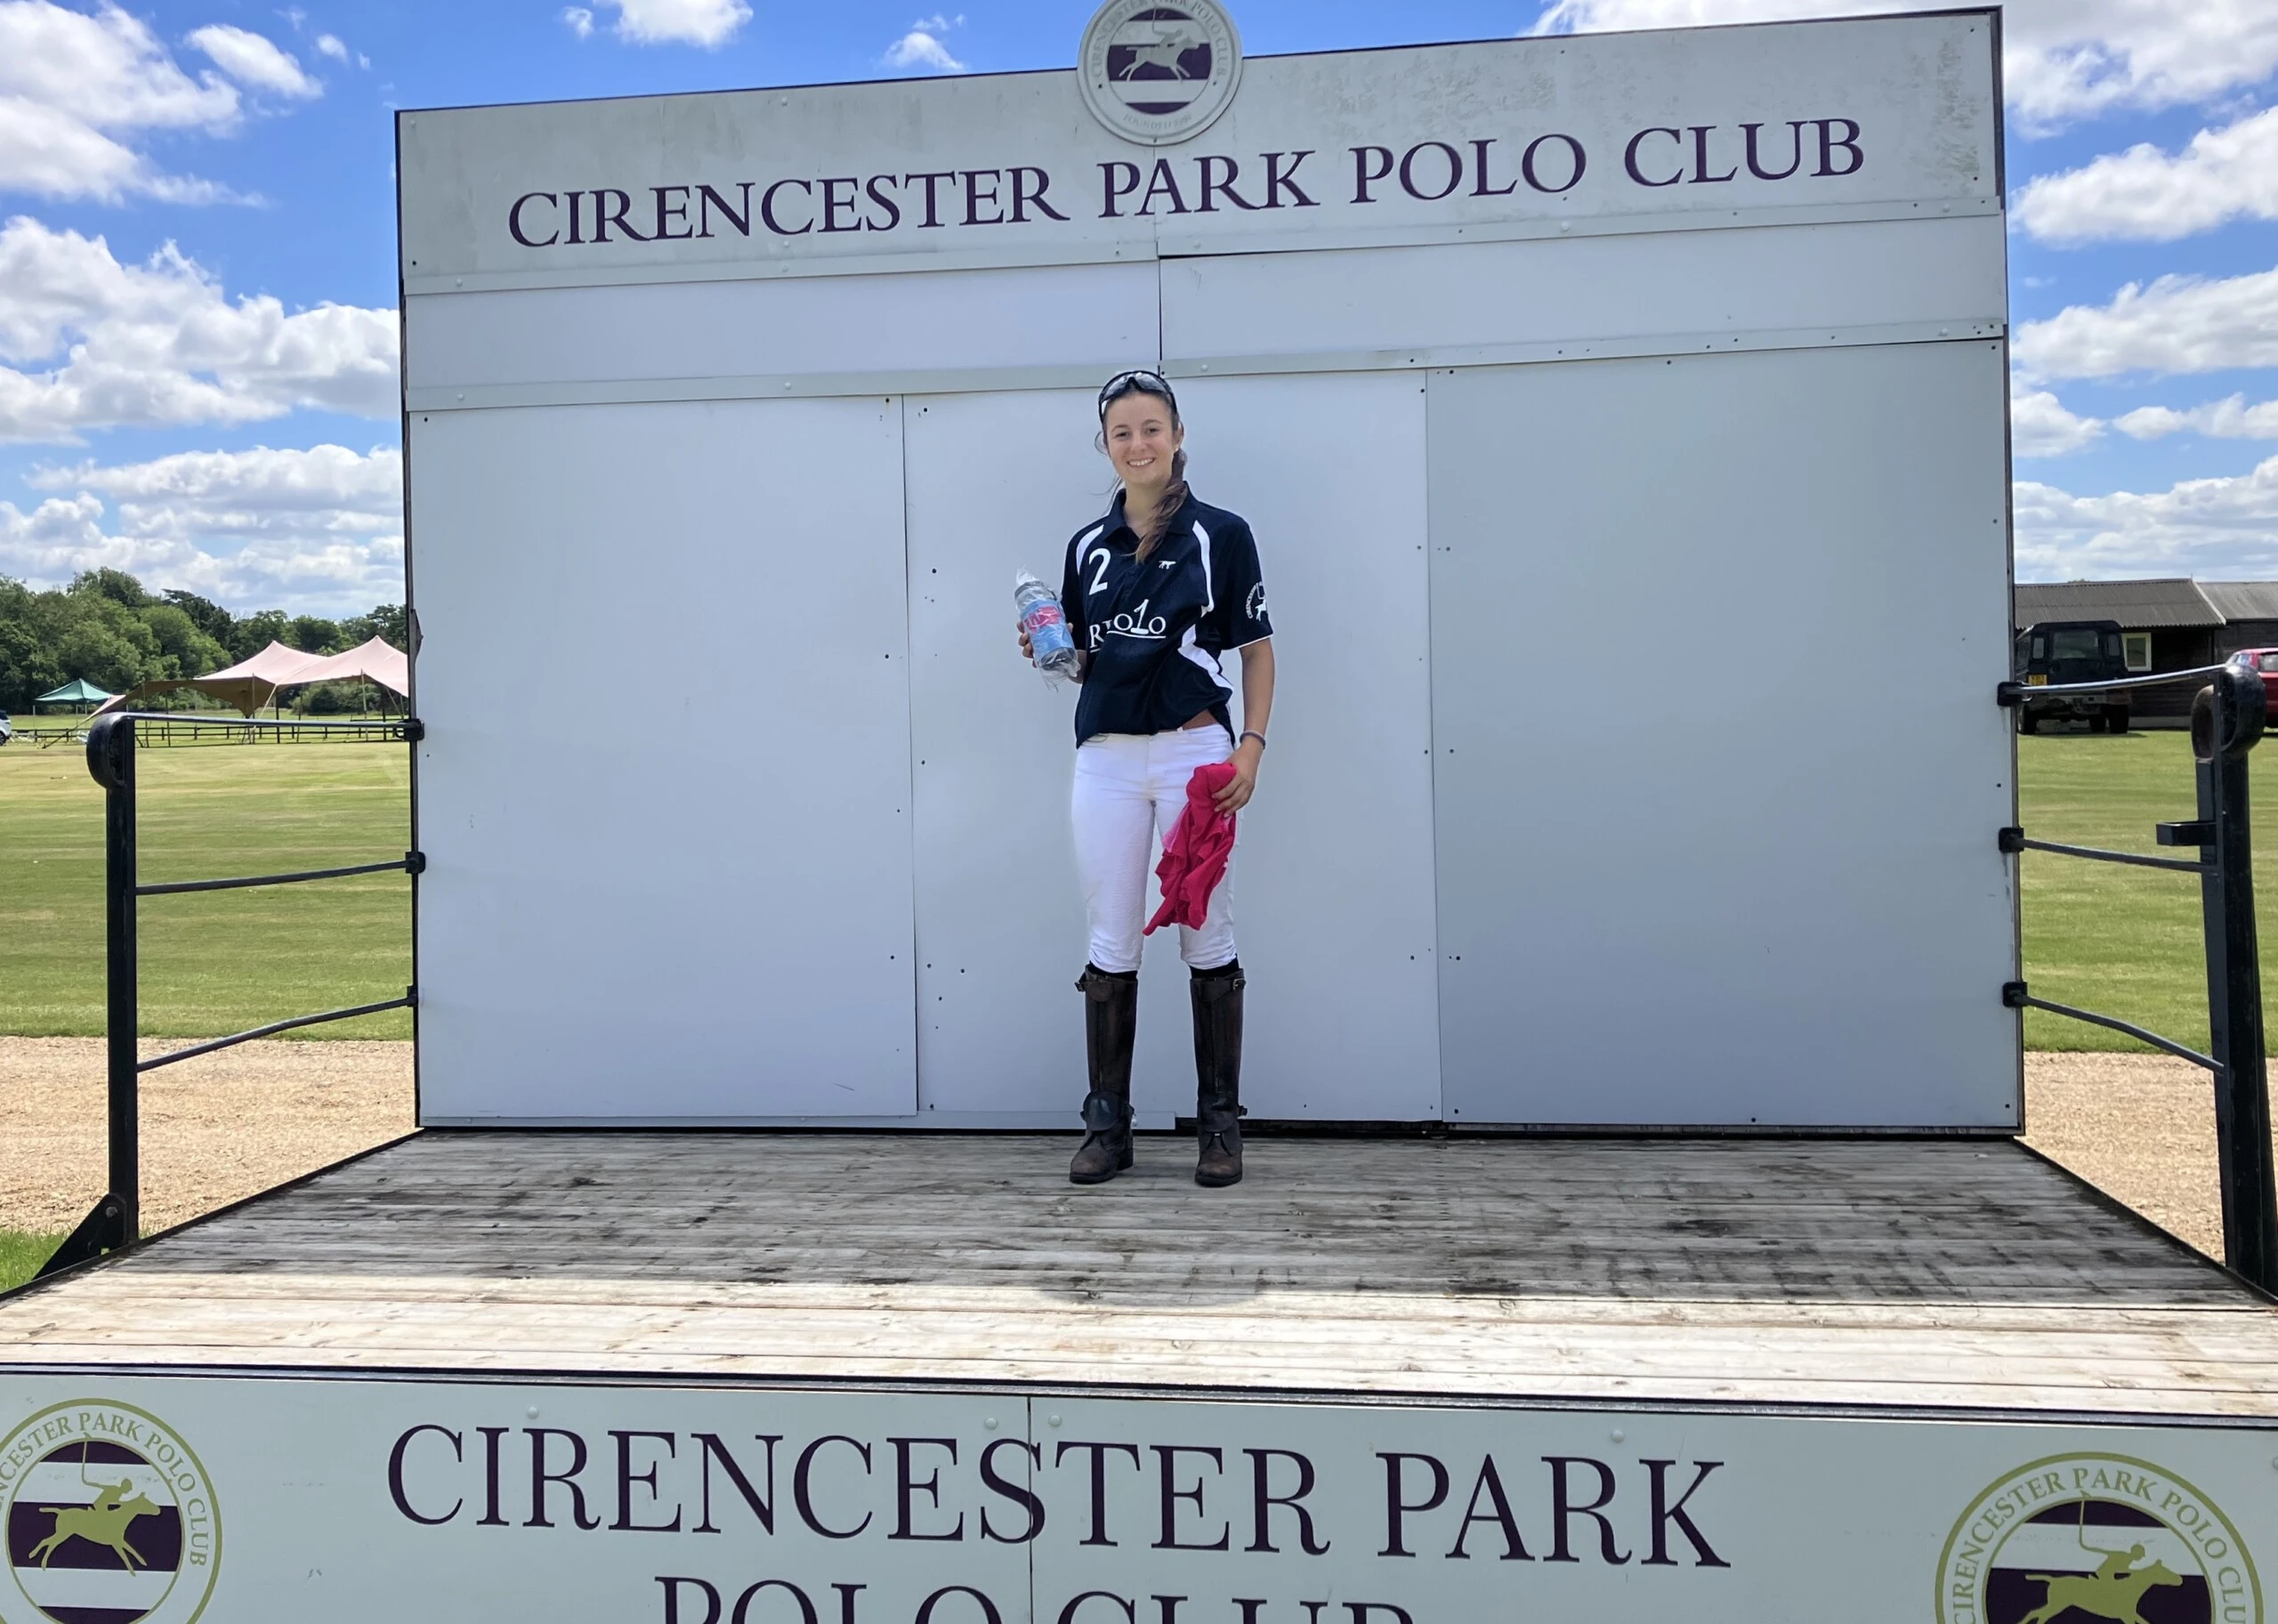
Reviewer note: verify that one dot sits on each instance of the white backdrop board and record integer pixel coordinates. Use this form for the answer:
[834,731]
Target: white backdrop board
[1000,920]
[1806,877]
[625,884]
[1347,1026]
[1669,364]
[1334,889]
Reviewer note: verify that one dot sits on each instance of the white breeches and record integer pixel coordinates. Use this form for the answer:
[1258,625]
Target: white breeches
[1130,790]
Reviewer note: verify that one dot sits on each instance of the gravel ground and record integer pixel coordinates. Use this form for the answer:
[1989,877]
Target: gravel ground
[218,1129]
[2139,1127]
[214,1130]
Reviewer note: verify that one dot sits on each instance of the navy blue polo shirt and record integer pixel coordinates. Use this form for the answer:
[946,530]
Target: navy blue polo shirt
[1154,632]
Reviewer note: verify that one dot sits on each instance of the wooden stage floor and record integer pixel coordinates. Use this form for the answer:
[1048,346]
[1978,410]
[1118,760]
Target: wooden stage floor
[1939,1275]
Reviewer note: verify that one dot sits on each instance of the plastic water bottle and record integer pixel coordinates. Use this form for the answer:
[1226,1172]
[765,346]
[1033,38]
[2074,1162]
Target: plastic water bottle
[1047,624]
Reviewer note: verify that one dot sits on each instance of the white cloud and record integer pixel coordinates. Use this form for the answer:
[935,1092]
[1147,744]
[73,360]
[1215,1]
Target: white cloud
[46,150]
[318,530]
[252,59]
[107,68]
[2146,195]
[710,24]
[78,89]
[331,45]
[2214,527]
[2064,59]
[580,21]
[2179,324]
[88,343]
[2039,426]
[2227,419]
[919,48]
[238,491]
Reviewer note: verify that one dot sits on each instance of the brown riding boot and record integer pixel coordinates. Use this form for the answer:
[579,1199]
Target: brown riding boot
[1110,1023]
[1218,1074]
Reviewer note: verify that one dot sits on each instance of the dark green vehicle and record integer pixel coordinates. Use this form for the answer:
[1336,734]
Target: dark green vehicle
[2056,652]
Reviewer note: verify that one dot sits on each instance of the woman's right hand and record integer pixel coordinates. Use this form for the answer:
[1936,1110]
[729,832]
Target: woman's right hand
[1027,650]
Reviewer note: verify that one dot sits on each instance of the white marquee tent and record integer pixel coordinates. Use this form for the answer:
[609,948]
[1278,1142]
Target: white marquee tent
[253,682]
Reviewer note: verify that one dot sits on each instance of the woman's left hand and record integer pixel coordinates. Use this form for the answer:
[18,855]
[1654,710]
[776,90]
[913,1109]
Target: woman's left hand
[1236,795]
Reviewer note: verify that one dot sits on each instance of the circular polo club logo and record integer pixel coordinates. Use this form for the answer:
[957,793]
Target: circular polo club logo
[2076,1539]
[110,1519]
[1156,74]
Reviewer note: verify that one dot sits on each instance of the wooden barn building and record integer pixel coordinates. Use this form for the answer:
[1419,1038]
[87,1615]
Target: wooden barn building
[2169,624]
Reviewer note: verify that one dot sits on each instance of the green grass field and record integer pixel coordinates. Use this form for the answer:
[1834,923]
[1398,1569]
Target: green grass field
[22,1253]
[2120,941]
[212,962]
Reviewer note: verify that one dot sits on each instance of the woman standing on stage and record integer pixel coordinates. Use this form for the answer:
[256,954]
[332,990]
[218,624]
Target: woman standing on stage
[1156,594]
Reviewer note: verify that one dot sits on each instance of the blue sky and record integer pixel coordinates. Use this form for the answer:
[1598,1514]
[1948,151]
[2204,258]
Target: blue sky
[196,275]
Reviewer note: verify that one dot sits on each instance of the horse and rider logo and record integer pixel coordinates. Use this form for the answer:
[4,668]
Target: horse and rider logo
[109,1519]
[1158,73]
[2076,1539]
[116,1507]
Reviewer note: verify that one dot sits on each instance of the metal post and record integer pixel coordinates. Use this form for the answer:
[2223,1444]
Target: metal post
[2227,722]
[125,1013]
[110,758]
[117,1220]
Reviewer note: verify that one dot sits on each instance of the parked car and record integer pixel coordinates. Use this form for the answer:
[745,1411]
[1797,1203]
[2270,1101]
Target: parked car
[2263,662]
[6,732]
[2057,652]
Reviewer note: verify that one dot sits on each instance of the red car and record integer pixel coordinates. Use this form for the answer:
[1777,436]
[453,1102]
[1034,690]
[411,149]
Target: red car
[2264,661]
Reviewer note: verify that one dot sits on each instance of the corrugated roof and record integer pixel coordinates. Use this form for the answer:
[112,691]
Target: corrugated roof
[2134,604]
[2243,599]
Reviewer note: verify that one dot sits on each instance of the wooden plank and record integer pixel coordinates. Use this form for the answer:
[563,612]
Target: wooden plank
[1839,1273]
[129,1289]
[1200,1348]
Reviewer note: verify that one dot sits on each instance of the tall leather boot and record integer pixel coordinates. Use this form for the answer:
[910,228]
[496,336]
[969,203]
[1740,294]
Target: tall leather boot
[1218,1076]
[1110,1022]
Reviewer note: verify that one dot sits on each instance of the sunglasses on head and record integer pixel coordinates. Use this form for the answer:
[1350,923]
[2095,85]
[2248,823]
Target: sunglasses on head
[1137,381]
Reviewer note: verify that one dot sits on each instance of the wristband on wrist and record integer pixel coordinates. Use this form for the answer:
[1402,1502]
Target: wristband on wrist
[1253,733]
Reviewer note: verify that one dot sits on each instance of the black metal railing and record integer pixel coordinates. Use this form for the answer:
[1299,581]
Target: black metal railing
[2227,722]
[117,1219]
[214,728]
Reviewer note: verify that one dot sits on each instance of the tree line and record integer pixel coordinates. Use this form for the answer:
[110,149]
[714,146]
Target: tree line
[107,628]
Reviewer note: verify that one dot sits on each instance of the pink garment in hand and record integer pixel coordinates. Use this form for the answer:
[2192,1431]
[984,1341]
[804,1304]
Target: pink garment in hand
[1195,852]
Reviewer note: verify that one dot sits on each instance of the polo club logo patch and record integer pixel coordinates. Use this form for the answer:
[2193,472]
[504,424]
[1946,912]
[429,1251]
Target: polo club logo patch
[1157,74]
[2095,1536]
[110,1519]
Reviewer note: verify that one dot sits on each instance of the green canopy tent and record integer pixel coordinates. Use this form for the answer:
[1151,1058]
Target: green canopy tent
[78,690]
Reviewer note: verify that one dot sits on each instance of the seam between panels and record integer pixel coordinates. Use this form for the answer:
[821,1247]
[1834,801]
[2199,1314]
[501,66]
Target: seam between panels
[909,749]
